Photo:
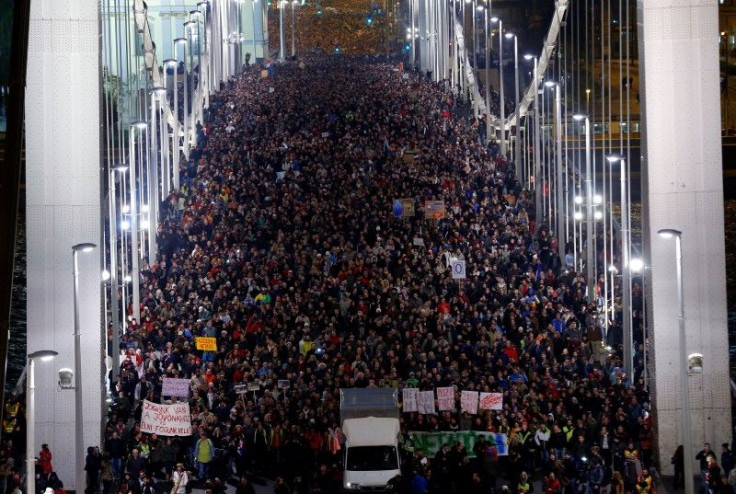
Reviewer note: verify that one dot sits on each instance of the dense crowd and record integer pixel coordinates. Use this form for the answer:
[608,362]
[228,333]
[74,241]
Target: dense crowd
[283,244]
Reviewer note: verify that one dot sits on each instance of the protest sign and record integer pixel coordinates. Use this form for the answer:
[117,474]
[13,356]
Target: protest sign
[425,402]
[166,420]
[491,401]
[469,402]
[410,399]
[434,209]
[207,343]
[458,269]
[175,387]
[446,398]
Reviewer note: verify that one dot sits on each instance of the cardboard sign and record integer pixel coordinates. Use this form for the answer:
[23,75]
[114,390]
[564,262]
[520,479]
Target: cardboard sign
[410,399]
[491,401]
[254,386]
[166,420]
[284,384]
[403,208]
[240,389]
[446,398]
[175,387]
[469,402]
[425,402]
[207,343]
[458,269]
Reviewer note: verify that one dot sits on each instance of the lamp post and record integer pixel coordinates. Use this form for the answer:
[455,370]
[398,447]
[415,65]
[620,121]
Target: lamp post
[135,127]
[537,142]
[517,146]
[589,206]
[45,356]
[253,19]
[174,166]
[559,189]
[185,149]
[500,83]
[281,30]
[487,50]
[78,411]
[114,300]
[293,27]
[685,398]
[625,256]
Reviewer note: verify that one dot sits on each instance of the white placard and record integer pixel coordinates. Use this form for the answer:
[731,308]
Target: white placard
[491,401]
[458,269]
[446,398]
[410,399]
[425,401]
[469,402]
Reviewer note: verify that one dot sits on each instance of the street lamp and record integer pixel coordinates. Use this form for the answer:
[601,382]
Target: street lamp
[559,189]
[293,27]
[517,144]
[589,205]
[44,356]
[185,148]
[119,168]
[282,56]
[78,411]
[685,398]
[174,167]
[500,83]
[625,255]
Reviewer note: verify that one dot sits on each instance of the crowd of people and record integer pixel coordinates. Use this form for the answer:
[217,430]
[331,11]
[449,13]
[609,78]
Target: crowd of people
[283,243]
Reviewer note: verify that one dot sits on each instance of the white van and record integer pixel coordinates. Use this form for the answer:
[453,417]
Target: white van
[372,455]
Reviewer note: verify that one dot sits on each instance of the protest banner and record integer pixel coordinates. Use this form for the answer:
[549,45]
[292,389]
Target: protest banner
[469,402]
[404,208]
[425,402]
[175,387]
[206,343]
[491,401]
[446,398]
[166,420]
[410,399]
[431,442]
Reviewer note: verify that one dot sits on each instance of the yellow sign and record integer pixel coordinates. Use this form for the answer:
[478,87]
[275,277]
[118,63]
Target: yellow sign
[208,344]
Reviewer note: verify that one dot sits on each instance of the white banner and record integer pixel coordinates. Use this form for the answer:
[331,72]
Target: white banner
[446,398]
[426,402]
[469,402]
[491,401]
[410,399]
[166,420]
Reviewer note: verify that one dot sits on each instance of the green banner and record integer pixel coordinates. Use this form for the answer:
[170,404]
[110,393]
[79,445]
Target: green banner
[431,442]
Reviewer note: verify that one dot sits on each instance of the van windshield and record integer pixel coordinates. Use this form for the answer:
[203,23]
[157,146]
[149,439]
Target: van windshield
[370,458]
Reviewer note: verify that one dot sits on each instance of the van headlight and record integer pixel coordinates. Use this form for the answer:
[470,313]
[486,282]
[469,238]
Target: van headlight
[352,486]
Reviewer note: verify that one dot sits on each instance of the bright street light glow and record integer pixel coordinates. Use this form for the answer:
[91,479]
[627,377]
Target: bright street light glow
[598,215]
[105,275]
[578,117]
[578,199]
[125,209]
[597,199]
[578,215]
[125,225]
[669,233]
[636,265]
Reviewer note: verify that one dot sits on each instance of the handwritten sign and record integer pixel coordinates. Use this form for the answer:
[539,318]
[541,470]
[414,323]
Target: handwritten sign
[469,402]
[446,398]
[175,387]
[425,402]
[458,269]
[207,343]
[284,383]
[166,420]
[409,396]
[491,401]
